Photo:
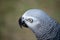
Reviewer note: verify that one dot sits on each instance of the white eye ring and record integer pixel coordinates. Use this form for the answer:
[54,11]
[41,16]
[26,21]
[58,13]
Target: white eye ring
[29,20]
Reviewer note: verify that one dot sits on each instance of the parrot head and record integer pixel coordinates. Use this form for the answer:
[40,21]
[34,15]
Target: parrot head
[30,19]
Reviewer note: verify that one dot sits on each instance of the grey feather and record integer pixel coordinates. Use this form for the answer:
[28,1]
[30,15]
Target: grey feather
[43,26]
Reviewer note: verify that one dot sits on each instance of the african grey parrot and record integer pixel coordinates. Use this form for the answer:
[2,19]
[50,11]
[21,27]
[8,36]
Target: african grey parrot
[42,25]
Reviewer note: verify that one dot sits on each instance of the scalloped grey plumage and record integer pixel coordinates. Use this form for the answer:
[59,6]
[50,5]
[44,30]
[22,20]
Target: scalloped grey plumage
[43,26]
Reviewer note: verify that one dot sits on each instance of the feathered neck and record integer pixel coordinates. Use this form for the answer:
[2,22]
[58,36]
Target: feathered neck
[49,35]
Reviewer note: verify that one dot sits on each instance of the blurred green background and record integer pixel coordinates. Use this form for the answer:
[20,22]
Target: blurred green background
[11,11]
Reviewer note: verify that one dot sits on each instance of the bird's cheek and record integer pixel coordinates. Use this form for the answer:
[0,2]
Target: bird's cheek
[28,23]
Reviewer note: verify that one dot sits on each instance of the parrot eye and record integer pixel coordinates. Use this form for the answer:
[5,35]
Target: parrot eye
[29,20]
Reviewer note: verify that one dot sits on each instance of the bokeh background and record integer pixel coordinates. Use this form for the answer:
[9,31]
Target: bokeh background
[11,11]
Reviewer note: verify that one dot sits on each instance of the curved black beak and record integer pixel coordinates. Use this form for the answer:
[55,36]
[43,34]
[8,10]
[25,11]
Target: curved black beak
[22,23]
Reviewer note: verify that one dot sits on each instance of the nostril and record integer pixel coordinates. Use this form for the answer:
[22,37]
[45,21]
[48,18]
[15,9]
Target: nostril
[22,17]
